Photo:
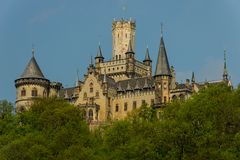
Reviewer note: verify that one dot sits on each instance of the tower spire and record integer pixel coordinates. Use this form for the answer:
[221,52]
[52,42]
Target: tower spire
[77,78]
[162,67]
[225,72]
[193,77]
[147,56]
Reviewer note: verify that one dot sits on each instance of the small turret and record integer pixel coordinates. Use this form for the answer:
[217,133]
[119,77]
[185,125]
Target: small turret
[130,60]
[147,60]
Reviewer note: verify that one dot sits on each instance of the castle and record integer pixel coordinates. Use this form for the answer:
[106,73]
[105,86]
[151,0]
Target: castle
[111,89]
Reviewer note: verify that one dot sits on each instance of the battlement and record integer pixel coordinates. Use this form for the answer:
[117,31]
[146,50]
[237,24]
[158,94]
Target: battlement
[123,23]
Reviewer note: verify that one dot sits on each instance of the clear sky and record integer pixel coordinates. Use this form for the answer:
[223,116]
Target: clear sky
[66,33]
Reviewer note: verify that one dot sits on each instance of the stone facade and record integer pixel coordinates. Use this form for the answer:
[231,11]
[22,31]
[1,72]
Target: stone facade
[111,89]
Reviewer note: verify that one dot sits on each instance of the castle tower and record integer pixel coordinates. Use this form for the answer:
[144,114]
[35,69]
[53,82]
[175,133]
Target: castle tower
[31,84]
[122,32]
[162,76]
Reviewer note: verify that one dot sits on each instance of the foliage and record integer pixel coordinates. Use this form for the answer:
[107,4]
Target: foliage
[207,126]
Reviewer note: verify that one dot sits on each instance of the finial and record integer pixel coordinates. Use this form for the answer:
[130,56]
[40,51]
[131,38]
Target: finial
[161,29]
[33,50]
[225,61]
[193,77]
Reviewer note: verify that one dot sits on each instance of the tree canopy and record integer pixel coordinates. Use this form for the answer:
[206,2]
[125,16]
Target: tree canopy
[206,126]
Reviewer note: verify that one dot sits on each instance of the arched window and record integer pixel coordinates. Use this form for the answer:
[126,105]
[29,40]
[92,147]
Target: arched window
[91,87]
[90,114]
[119,56]
[181,96]
[23,92]
[174,97]
[97,94]
[85,95]
[116,57]
[117,108]
[34,92]
[125,106]
[84,114]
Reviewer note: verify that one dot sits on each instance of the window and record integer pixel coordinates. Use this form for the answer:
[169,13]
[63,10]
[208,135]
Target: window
[143,102]
[23,92]
[119,56]
[85,95]
[165,99]
[181,97]
[91,87]
[116,57]
[174,98]
[34,92]
[125,106]
[126,35]
[152,102]
[84,114]
[134,104]
[90,114]
[44,93]
[117,108]
[97,94]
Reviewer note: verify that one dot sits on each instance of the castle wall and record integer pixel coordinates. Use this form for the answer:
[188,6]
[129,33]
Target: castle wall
[129,98]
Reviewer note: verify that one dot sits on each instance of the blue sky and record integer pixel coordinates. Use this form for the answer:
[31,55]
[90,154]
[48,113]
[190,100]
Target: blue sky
[67,32]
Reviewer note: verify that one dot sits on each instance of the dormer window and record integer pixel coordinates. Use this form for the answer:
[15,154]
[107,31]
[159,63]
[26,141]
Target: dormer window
[91,87]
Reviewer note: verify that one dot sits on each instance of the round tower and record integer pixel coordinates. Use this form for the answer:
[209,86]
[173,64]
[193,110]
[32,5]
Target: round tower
[31,85]
[122,32]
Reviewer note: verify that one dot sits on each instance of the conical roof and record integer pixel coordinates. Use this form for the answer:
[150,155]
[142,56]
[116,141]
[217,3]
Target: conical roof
[162,67]
[130,49]
[99,53]
[147,57]
[32,70]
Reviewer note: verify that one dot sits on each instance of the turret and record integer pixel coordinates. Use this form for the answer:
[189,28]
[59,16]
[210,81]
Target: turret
[30,85]
[130,60]
[162,76]
[99,58]
[148,62]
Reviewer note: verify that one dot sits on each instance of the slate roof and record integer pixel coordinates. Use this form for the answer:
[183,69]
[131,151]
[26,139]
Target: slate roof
[32,70]
[67,92]
[99,53]
[147,56]
[109,80]
[162,67]
[135,84]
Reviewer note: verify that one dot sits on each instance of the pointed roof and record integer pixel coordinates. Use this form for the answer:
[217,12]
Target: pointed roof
[32,70]
[225,72]
[162,67]
[193,77]
[147,57]
[130,49]
[99,52]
